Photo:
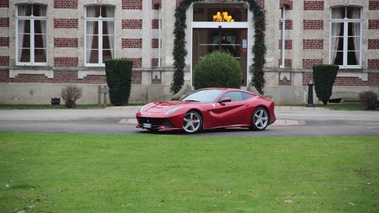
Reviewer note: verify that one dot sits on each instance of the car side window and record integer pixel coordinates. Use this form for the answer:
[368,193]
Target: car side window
[235,96]
[246,95]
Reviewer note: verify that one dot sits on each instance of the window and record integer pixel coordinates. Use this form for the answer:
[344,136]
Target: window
[346,37]
[100,34]
[31,34]
[246,95]
[235,96]
[206,12]
[203,96]
[283,20]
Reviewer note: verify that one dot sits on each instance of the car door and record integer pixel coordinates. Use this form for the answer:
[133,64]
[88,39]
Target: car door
[231,109]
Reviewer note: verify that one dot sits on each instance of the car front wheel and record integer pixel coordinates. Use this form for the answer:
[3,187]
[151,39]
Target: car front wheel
[259,119]
[192,122]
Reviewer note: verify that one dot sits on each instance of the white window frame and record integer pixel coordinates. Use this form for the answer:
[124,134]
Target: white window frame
[32,19]
[100,21]
[345,21]
[283,34]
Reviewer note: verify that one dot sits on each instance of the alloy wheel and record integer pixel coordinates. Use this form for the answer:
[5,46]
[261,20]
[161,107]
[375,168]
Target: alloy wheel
[192,122]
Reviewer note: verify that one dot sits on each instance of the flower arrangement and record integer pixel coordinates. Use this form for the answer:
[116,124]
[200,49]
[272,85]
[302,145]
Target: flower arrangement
[225,17]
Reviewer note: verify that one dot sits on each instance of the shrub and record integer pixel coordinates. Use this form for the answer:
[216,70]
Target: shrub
[369,99]
[324,76]
[217,69]
[70,94]
[119,76]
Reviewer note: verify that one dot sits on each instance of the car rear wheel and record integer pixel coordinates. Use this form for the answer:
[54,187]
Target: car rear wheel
[192,122]
[259,119]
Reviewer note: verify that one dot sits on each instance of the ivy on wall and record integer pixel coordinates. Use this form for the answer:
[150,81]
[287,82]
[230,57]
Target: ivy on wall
[258,50]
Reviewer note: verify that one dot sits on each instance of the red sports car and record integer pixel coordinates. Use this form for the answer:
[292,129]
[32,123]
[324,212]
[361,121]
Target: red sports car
[209,108]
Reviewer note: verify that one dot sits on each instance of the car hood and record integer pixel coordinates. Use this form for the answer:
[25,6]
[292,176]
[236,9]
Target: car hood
[157,107]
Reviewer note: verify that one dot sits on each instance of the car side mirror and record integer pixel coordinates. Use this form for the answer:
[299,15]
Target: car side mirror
[226,99]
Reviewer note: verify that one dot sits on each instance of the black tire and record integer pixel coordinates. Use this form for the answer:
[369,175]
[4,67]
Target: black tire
[259,119]
[192,122]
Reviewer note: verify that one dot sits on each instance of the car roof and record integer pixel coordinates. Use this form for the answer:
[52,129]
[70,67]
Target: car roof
[224,89]
[218,88]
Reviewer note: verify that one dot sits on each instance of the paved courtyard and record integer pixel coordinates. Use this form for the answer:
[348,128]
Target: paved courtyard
[291,121]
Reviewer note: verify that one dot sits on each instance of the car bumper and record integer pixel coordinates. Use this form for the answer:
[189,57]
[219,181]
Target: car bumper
[156,122]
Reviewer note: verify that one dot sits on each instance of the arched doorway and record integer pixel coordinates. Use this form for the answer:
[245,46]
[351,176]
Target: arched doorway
[209,34]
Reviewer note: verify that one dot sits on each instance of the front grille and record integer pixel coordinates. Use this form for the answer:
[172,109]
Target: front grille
[153,121]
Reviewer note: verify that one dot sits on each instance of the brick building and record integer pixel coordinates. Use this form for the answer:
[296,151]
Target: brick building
[48,44]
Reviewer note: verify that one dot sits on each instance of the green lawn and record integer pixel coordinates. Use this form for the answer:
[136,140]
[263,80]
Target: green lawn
[54,172]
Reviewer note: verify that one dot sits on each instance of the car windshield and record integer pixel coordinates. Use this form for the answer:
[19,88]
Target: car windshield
[203,96]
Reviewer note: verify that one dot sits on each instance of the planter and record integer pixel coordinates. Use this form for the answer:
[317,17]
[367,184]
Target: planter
[55,101]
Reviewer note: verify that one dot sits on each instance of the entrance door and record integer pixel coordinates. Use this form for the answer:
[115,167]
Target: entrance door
[233,41]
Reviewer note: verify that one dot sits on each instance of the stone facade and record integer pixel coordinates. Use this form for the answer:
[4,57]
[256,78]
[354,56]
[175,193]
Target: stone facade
[144,34]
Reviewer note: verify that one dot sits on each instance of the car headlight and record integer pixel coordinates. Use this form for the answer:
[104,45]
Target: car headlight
[171,111]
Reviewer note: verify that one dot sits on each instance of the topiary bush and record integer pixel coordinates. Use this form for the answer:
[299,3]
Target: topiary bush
[119,76]
[70,94]
[217,69]
[324,76]
[369,99]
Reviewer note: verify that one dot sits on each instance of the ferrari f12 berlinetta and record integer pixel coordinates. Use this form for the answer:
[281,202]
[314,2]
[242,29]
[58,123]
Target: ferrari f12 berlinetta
[209,108]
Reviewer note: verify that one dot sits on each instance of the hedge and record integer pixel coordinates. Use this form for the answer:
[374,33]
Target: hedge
[324,76]
[217,69]
[119,76]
